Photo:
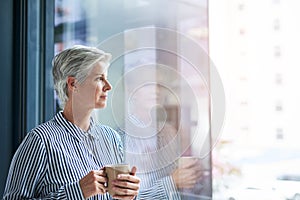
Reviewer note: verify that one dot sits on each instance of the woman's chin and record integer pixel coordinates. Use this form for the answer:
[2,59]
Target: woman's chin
[100,105]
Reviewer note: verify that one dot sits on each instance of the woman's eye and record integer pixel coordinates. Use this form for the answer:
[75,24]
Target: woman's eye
[100,79]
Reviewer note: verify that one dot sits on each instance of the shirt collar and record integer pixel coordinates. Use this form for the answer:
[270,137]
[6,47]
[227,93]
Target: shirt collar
[73,129]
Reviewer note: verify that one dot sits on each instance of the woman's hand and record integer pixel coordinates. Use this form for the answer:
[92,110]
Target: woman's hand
[187,176]
[93,183]
[126,186]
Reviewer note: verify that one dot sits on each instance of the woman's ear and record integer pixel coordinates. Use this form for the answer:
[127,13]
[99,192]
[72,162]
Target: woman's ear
[71,83]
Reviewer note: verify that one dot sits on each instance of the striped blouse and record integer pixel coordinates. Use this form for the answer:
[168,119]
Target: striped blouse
[55,155]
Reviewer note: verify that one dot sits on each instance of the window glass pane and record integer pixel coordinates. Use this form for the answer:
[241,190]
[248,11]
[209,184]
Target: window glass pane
[254,45]
[160,101]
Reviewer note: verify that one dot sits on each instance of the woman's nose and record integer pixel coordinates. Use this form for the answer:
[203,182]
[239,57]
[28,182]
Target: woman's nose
[107,86]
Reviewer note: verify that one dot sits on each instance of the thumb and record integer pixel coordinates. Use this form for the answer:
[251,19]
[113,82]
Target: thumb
[133,170]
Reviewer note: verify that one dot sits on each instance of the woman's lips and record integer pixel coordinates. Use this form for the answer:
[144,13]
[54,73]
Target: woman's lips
[103,97]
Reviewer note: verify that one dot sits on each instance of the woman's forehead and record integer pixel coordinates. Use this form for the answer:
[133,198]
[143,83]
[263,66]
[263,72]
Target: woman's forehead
[100,68]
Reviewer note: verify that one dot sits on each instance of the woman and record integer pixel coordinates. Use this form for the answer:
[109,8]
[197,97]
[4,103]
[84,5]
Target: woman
[154,146]
[151,140]
[64,157]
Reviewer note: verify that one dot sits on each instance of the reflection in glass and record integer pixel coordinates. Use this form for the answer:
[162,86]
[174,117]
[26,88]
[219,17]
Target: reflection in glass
[160,98]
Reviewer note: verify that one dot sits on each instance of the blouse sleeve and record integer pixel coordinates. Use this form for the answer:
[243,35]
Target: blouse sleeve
[153,187]
[27,171]
[163,188]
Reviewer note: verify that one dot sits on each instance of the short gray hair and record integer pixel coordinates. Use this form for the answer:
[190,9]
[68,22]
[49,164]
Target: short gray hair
[77,62]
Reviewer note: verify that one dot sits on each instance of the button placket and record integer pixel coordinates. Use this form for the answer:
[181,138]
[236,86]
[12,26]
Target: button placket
[90,145]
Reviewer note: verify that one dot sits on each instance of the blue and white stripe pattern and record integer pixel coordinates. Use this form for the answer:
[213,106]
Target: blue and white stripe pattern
[55,155]
[155,164]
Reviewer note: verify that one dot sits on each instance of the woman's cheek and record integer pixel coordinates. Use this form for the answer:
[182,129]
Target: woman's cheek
[100,85]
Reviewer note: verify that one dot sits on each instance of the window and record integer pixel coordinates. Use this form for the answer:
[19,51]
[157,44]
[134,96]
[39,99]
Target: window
[259,142]
[159,73]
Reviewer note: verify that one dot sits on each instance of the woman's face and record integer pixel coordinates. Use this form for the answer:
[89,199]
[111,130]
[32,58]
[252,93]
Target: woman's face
[92,93]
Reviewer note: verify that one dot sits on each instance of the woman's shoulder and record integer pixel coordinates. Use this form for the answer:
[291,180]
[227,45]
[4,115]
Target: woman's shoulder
[45,130]
[37,136]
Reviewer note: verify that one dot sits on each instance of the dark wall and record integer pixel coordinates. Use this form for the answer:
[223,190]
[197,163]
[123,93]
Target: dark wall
[26,39]
[6,86]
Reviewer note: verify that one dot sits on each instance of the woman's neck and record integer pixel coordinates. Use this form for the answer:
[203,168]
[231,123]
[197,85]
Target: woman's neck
[80,118]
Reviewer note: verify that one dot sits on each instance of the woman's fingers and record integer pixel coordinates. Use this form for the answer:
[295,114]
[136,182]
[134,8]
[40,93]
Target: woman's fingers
[125,191]
[187,177]
[123,197]
[126,184]
[128,177]
[133,170]
[101,179]
[101,176]
[93,183]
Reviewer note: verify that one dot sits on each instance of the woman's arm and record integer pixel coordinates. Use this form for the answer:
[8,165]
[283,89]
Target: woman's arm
[27,173]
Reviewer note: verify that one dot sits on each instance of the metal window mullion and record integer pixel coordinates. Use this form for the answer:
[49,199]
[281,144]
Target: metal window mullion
[33,95]
[47,43]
